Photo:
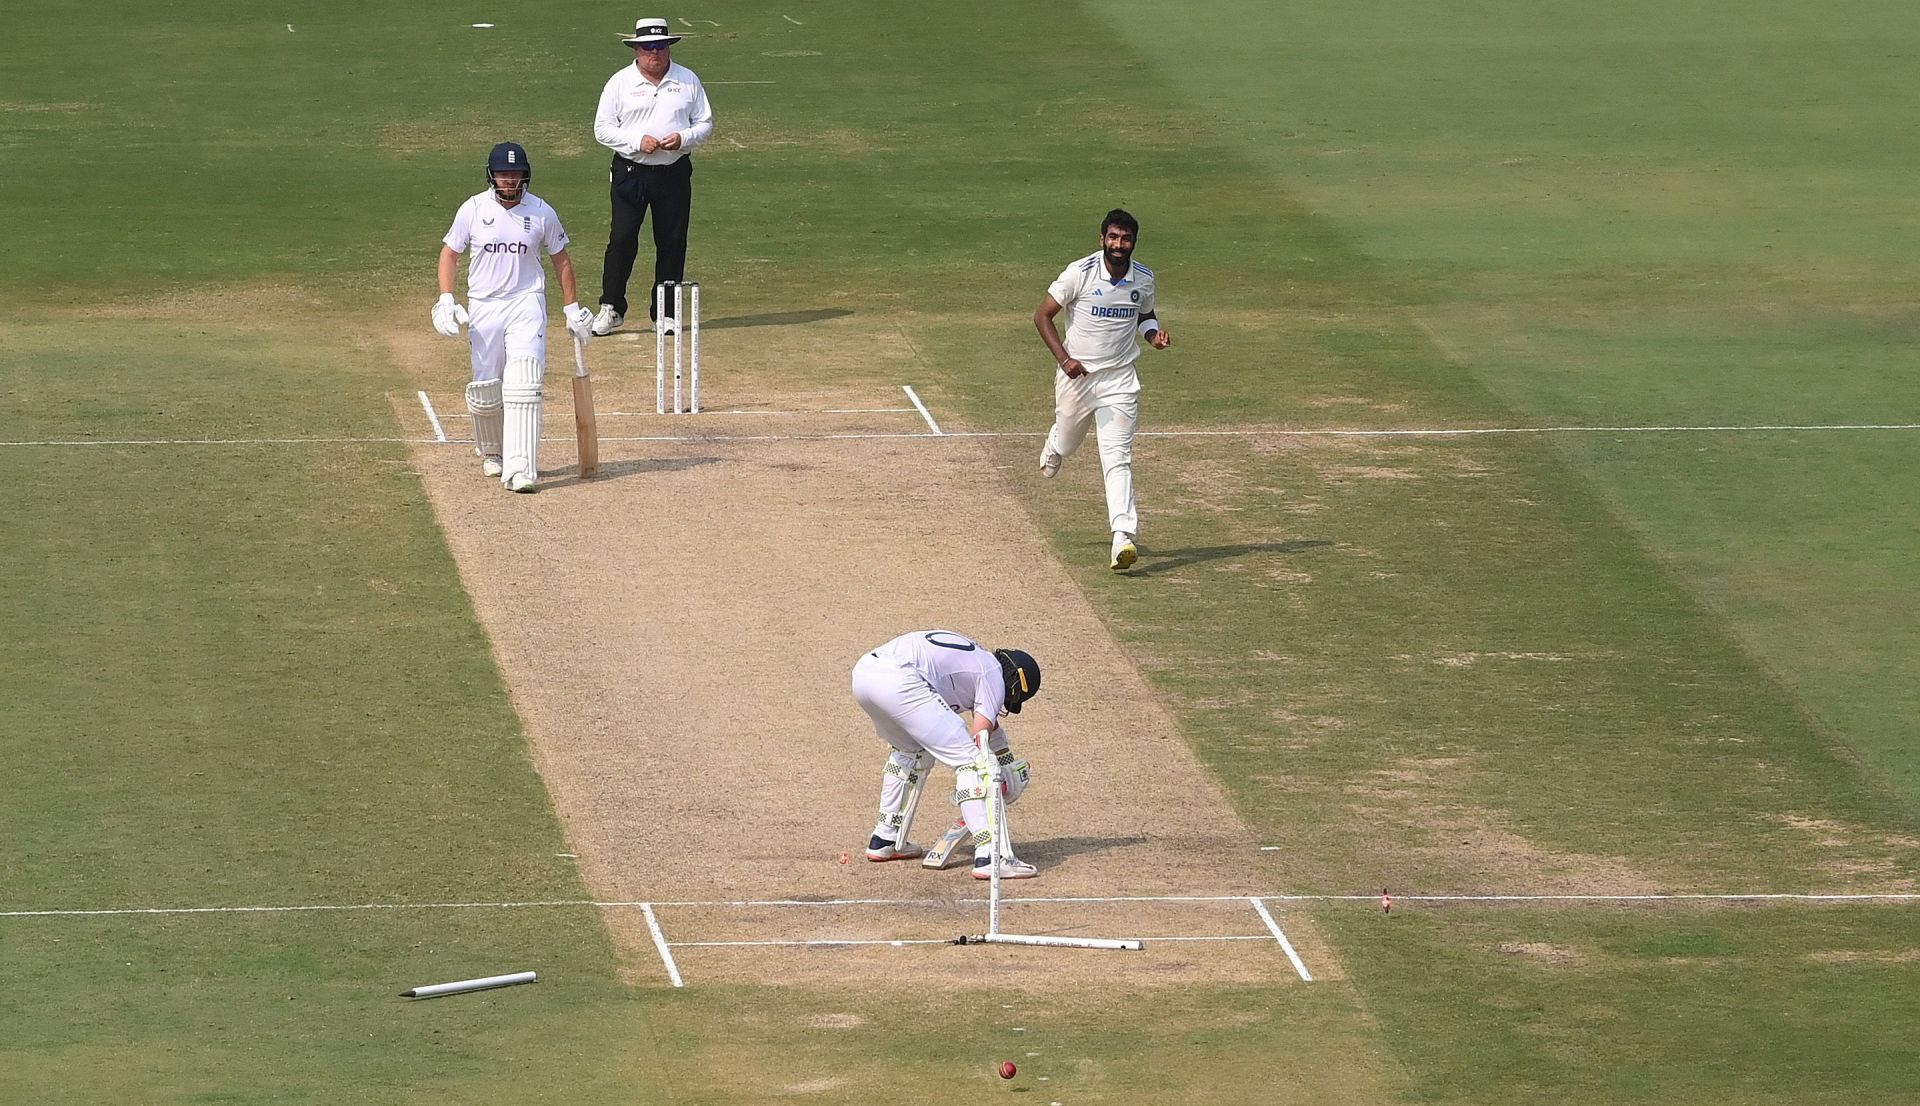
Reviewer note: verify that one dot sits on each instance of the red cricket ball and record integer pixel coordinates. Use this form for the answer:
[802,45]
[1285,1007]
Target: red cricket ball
[1007,1069]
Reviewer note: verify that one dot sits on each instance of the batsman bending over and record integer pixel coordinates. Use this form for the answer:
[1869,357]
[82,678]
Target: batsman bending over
[916,689]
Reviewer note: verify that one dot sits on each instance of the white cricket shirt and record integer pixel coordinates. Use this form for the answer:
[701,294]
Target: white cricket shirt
[505,244]
[632,106]
[1102,312]
[963,672]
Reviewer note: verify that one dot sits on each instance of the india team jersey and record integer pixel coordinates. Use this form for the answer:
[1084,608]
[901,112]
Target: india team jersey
[963,673]
[505,244]
[1102,312]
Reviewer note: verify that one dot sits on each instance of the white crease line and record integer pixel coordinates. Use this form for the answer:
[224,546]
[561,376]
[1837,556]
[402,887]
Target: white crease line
[740,82]
[438,434]
[660,942]
[1280,936]
[814,943]
[757,438]
[1250,432]
[924,413]
[826,942]
[1864,897]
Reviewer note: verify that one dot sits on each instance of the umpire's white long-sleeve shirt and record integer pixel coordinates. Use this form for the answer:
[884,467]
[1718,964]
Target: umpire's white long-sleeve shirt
[631,106]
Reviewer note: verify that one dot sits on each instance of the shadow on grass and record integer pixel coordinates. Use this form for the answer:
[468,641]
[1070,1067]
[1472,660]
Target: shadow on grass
[1153,562]
[778,318]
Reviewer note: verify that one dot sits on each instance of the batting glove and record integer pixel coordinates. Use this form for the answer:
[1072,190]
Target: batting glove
[448,315]
[579,322]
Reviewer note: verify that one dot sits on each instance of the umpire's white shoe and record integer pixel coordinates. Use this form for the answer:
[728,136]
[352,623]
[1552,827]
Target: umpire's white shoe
[880,850]
[1011,867]
[490,465]
[521,482]
[1124,553]
[1049,462]
[608,320]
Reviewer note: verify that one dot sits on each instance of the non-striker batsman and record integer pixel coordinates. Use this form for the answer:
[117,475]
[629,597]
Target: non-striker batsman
[504,230]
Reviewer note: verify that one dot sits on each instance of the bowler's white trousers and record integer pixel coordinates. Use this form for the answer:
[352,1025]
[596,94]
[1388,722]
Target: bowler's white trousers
[1108,400]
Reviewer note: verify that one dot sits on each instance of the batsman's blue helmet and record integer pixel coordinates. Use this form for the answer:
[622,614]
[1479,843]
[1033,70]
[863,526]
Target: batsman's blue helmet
[1022,674]
[509,155]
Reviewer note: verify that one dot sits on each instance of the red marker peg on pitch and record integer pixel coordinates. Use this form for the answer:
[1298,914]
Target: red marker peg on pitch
[1386,902]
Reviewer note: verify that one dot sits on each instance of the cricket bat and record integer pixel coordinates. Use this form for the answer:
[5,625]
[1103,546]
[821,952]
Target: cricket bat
[941,851]
[584,425]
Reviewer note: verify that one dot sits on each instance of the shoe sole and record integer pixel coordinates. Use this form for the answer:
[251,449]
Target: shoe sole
[895,856]
[1124,559]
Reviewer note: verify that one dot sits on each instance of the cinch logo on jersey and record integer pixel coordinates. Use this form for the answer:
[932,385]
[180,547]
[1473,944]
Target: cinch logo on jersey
[504,247]
[1112,312]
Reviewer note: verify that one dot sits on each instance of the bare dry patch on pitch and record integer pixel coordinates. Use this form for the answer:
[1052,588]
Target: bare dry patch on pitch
[554,138]
[1865,956]
[1856,858]
[1410,801]
[1542,952]
[240,308]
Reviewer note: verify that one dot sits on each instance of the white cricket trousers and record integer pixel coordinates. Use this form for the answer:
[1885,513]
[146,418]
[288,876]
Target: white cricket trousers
[499,329]
[1109,402]
[911,716]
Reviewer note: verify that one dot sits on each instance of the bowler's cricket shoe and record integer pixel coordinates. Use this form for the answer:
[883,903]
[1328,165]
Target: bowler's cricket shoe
[490,466]
[1049,463]
[1011,867]
[608,320]
[880,850]
[1124,553]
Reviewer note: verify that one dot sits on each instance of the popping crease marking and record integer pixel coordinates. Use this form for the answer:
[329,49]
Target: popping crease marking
[1762,896]
[714,439]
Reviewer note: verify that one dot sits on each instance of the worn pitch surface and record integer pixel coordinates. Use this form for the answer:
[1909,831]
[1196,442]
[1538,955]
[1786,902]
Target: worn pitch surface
[678,635]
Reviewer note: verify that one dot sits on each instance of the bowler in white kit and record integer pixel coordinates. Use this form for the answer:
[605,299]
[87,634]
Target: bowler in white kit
[1109,301]
[504,230]
[915,688]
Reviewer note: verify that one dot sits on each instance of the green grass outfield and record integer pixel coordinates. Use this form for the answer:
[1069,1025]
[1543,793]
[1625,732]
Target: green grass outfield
[245,675]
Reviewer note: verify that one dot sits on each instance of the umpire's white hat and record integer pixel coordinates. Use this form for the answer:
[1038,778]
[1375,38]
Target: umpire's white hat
[651,30]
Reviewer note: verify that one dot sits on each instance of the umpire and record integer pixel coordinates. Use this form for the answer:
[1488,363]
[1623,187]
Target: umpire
[653,114]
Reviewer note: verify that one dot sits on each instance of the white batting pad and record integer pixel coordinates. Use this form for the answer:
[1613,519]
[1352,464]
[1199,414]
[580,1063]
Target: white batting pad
[483,403]
[520,392]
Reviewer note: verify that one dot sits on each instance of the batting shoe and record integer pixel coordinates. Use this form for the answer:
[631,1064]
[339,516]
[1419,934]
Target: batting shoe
[880,850]
[521,482]
[1124,553]
[1011,867]
[490,466]
[1050,463]
[608,320]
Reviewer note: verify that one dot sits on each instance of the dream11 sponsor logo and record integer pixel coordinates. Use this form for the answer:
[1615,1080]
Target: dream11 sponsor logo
[504,247]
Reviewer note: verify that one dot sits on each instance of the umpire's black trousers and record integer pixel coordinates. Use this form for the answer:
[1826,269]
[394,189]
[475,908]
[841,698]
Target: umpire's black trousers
[666,190]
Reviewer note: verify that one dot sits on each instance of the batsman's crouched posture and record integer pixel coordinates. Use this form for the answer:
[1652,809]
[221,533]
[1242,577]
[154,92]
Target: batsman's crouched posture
[916,688]
[506,315]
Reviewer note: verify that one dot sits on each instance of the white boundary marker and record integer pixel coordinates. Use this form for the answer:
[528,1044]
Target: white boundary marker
[1246,432]
[1273,927]
[660,942]
[438,434]
[924,413]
